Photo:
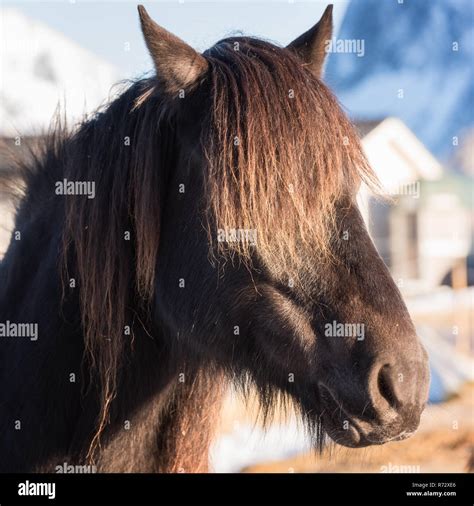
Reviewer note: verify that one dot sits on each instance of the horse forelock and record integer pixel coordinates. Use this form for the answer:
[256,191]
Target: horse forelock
[280,153]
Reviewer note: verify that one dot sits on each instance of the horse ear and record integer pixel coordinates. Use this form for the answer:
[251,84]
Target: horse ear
[178,66]
[310,46]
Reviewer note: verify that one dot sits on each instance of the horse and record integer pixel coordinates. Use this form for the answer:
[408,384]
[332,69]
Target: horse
[200,231]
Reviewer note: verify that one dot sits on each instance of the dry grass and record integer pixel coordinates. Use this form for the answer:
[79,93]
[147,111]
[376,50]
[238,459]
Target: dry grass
[436,451]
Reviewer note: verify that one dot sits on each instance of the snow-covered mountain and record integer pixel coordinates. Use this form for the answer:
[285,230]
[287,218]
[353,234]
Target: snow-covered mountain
[41,68]
[424,48]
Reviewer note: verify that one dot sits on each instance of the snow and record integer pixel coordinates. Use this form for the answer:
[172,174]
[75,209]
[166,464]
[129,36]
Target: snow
[42,69]
[450,370]
[402,53]
[246,445]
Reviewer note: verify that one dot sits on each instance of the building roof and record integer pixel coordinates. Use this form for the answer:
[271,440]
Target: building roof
[395,153]
[364,127]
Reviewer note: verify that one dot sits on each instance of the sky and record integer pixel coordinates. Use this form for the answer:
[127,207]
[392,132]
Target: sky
[110,29]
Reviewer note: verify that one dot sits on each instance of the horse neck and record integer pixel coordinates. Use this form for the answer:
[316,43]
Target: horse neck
[170,432]
[190,423]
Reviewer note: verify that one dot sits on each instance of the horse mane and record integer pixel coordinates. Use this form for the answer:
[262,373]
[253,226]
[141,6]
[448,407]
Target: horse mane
[279,153]
[114,238]
[109,243]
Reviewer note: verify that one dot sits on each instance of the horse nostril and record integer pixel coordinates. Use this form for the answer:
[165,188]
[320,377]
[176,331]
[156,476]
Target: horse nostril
[400,384]
[386,387]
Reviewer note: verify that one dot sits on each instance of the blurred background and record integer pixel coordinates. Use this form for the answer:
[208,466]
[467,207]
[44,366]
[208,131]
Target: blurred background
[403,70]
